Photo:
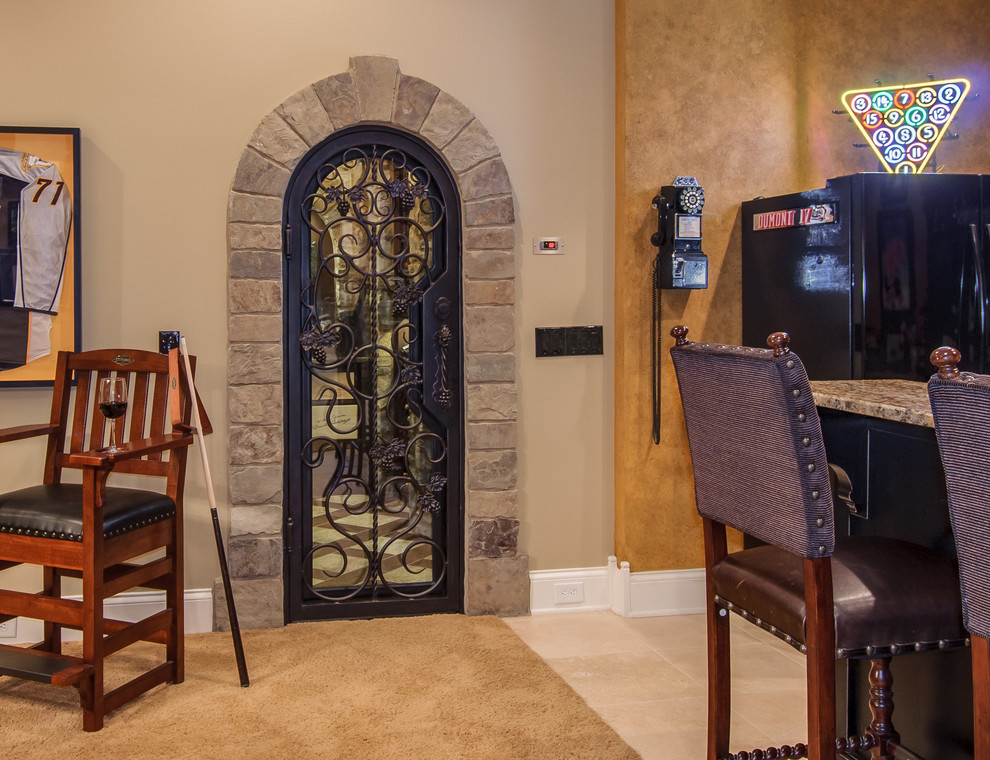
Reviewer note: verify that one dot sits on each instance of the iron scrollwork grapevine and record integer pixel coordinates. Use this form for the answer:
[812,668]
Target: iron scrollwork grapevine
[373,218]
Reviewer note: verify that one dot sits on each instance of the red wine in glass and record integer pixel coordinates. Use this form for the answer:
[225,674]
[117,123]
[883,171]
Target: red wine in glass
[112,400]
[113,409]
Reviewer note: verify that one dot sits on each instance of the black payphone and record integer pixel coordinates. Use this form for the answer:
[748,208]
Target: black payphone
[680,262]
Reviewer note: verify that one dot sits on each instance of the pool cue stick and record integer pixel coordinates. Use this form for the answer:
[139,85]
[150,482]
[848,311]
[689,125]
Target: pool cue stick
[235,630]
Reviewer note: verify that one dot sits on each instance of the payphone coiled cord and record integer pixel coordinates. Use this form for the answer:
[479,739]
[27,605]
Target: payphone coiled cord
[655,343]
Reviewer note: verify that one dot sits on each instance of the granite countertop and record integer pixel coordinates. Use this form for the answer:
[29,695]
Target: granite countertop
[896,400]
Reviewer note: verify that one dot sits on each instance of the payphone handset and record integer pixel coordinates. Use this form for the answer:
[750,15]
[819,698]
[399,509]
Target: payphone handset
[680,261]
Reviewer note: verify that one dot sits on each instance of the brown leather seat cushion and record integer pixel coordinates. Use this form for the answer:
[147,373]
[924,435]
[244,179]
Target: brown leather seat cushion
[886,592]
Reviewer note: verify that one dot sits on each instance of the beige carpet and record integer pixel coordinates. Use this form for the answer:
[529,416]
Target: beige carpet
[445,686]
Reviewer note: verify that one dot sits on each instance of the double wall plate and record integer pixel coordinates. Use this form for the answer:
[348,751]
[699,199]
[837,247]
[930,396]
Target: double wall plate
[569,341]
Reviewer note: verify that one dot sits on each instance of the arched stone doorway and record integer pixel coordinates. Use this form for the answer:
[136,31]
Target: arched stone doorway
[372,91]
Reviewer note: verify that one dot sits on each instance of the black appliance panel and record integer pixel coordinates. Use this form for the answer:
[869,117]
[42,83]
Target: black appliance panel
[799,279]
[923,283]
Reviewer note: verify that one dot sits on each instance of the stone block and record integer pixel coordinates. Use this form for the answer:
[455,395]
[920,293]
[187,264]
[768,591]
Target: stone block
[498,586]
[489,329]
[255,484]
[472,146]
[255,209]
[259,404]
[484,180]
[490,368]
[254,363]
[413,102]
[492,401]
[492,470]
[255,444]
[259,175]
[259,237]
[257,520]
[491,435]
[493,538]
[258,602]
[482,504]
[337,95]
[275,139]
[254,328]
[446,119]
[305,113]
[490,238]
[255,557]
[263,296]
[492,211]
[375,78]
[489,265]
[499,292]
[257,265]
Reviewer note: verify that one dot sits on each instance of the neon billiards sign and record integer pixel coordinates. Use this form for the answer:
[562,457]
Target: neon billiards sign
[904,124]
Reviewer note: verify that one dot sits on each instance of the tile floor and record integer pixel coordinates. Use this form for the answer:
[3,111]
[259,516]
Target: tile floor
[646,678]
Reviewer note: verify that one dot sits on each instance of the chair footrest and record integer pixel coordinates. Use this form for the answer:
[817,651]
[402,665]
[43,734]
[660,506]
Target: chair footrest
[43,667]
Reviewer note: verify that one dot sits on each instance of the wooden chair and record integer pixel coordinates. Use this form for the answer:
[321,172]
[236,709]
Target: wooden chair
[961,407]
[93,531]
[759,466]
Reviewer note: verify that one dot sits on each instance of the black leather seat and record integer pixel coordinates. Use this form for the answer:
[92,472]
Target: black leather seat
[55,510]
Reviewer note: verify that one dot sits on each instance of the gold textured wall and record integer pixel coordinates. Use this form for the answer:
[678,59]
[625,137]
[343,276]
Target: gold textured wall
[740,93]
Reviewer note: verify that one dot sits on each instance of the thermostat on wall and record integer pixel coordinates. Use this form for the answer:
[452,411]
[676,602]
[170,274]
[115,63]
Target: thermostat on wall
[548,245]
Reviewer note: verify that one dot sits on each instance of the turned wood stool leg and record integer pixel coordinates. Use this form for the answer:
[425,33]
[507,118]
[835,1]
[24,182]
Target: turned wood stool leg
[719,675]
[882,709]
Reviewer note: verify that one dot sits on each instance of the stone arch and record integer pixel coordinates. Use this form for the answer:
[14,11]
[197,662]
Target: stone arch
[372,91]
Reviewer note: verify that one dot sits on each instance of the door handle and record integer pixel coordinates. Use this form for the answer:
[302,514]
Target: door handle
[442,392]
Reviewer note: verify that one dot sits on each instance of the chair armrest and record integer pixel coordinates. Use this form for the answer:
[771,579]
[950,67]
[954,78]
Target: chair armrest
[24,431]
[130,450]
[841,488]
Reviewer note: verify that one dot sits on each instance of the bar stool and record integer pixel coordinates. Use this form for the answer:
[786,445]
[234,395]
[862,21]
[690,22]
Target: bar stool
[759,466]
[961,407]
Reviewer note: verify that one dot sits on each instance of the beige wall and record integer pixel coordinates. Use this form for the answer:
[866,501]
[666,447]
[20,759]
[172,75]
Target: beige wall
[740,95]
[167,96]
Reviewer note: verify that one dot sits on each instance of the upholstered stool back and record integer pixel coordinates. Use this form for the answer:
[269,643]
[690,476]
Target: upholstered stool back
[772,448]
[961,407]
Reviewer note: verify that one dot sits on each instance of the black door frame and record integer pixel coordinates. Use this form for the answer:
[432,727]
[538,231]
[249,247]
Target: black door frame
[297,486]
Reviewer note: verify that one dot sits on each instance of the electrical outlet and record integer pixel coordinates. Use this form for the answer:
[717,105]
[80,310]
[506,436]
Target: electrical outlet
[8,629]
[568,593]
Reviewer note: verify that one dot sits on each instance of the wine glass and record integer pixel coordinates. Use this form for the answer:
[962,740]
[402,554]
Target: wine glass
[112,398]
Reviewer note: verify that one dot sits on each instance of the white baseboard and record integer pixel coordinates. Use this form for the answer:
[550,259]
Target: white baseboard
[131,607]
[614,587]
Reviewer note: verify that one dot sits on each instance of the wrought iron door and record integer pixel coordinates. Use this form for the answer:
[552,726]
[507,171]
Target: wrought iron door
[373,377]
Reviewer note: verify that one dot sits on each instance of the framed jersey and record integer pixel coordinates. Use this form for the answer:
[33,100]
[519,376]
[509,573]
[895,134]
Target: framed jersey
[39,251]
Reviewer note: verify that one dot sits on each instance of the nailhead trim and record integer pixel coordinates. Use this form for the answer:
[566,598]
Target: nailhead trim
[872,651]
[813,481]
[127,528]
